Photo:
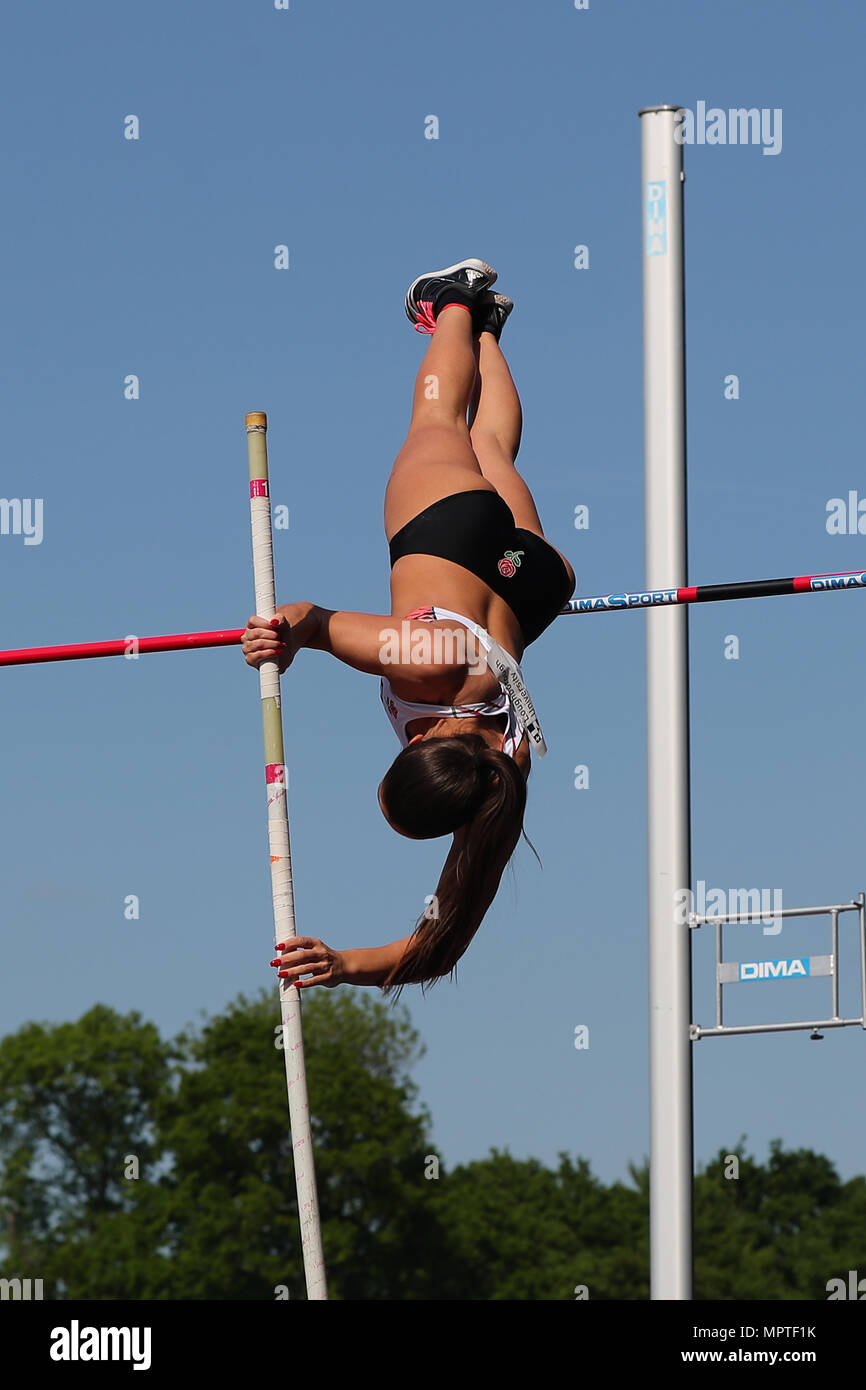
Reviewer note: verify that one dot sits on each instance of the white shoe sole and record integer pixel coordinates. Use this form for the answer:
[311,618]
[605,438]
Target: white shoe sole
[471,264]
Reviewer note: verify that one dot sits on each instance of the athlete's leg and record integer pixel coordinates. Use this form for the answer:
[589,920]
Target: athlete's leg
[496,422]
[496,425]
[437,458]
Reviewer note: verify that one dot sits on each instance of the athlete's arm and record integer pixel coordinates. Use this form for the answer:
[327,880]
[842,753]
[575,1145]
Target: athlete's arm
[375,643]
[381,645]
[306,955]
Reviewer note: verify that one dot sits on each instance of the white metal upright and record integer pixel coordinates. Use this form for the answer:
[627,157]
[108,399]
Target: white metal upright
[668,808]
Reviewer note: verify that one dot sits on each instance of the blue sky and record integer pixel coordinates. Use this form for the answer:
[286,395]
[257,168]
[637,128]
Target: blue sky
[155,258]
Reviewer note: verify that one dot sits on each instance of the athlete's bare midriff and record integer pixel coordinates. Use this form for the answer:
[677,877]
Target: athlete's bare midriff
[421,581]
[424,581]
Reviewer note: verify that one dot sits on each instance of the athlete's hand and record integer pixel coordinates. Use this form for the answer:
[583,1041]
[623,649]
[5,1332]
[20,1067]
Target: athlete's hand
[306,954]
[268,639]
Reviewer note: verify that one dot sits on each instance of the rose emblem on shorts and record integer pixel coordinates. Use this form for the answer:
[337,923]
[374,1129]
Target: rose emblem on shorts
[509,564]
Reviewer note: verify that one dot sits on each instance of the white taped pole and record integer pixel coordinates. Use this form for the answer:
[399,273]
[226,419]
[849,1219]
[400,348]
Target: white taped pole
[668,805]
[281,863]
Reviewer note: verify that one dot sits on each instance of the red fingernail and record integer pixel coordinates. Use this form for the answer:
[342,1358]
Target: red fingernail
[280,946]
[282,974]
[299,983]
[278,961]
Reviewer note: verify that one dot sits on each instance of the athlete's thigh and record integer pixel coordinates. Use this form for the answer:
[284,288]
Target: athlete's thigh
[498,468]
[432,464]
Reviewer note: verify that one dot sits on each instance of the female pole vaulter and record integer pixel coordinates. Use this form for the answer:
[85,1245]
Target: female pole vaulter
[473,583]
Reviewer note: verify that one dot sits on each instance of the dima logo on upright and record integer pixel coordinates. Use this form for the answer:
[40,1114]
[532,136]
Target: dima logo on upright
[774,969]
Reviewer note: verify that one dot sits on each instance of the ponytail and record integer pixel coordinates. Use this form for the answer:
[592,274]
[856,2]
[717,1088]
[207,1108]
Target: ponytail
[485,792]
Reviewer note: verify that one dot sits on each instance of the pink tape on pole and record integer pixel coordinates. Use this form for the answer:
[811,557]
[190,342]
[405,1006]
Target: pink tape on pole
[276,782]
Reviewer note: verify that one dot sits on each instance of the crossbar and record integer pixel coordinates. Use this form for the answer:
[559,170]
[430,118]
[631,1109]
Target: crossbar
[126,646]
[597,603]
[717,593]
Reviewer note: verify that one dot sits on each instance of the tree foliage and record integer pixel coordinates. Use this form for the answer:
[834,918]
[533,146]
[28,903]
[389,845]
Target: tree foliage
[132,1167]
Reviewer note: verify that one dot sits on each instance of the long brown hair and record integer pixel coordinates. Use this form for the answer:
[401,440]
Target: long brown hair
[463,785]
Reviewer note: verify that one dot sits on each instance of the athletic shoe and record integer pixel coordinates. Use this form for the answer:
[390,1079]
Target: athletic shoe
[493,310]
[456,284]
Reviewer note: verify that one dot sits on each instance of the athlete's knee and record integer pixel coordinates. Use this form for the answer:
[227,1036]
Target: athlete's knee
[493,445]
[432,428]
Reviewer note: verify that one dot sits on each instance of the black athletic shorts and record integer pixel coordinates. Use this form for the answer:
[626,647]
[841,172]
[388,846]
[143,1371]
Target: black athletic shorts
[476,529]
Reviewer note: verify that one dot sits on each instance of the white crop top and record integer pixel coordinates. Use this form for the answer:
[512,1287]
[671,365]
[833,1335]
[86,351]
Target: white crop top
[513,700]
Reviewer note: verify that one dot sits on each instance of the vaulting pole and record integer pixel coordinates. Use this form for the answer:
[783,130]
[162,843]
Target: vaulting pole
[668,812]
[281,863]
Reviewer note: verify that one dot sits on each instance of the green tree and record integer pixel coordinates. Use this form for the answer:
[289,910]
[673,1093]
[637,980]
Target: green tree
[213,1214]
[778,1230]
[521,1231]
[133,1168]
[234,1223]
[77,1113]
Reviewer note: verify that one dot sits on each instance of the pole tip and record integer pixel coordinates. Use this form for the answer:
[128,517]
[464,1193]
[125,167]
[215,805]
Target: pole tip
[256,419]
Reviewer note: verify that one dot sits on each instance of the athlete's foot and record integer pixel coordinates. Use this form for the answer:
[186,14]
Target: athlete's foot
[456,284]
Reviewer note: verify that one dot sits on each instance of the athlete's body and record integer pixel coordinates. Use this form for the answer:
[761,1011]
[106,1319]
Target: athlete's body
[469,788]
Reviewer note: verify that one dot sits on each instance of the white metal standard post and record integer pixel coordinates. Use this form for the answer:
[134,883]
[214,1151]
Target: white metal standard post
[668,843]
